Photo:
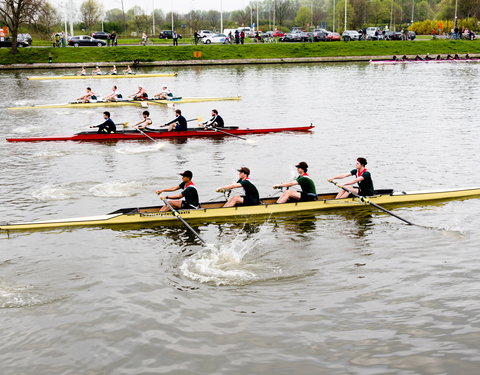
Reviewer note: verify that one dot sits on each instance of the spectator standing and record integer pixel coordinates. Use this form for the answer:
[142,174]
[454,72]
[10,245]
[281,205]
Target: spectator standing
[108,40]
[237,37]
[113,38]
[175,38]
[63,39]
[196,37]
[242,36]
[230,37]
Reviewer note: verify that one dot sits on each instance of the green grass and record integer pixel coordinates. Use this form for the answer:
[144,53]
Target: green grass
[247,51]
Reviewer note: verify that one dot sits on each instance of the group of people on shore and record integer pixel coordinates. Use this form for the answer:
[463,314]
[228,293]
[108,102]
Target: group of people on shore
[179,123]
[115,95]
[97,71]
[188,198]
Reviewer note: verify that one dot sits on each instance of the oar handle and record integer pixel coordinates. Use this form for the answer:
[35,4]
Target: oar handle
[367,201]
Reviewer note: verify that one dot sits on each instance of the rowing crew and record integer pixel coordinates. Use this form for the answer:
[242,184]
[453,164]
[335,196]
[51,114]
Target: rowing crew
[140,94]
[428,58]
[179,123]
[188,197]
[97,71]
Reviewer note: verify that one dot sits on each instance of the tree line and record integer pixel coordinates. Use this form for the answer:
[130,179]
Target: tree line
[42,17]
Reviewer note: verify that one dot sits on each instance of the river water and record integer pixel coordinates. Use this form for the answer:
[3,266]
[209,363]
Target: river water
[339,292]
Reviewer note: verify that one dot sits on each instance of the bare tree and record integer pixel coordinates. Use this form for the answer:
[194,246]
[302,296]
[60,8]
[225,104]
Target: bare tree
[14,13]
[90,13]
[47,18]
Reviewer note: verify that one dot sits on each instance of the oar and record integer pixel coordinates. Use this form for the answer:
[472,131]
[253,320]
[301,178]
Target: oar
[234,135]
[367,201]
[146,135]
[177,215]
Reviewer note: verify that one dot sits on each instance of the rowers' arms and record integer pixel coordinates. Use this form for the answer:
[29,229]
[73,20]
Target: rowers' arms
[170,122]
[173,188]
[142,124]
[102,124]
[227,187]
[178,196]
[339,177]
[354,181]
[287,184]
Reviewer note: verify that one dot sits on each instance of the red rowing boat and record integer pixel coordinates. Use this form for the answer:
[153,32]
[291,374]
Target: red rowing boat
[135,135]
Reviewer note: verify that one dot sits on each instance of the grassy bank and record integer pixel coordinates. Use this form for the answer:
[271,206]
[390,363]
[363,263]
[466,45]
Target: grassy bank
[247,51]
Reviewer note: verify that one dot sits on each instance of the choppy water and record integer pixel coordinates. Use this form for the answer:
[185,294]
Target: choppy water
[340,292]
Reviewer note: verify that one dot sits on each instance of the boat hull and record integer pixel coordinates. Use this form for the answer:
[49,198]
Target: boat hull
[164,134]
[142,103]
[213,211]
[103,76]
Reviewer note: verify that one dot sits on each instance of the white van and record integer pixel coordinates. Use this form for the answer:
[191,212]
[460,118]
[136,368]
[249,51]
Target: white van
[247,30]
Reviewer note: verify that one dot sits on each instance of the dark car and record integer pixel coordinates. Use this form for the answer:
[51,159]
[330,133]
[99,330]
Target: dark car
[393,35]
[320,36]
[6,41]
[101,35]
[292,37]
[411,35]
[85,40]
[166,34]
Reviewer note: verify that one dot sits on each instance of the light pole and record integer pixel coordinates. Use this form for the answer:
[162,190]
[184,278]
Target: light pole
[257,15]
[333,27]
[153,17]
[345,21]
[274,6]
[413,8]
[456,7]
[172,16]
[221,16]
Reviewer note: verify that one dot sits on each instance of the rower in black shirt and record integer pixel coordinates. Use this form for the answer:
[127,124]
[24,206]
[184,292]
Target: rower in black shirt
[216,121]
[251,197]
[107,127]
[179,123]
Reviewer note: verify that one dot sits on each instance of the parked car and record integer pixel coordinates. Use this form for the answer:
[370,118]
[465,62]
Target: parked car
[278,34]
[372,32]
[332,37]
[166,34]
[216,39]
[6,41]
[85,40]
[25,37]
[100,35]
[348,35]
[411,35]
[292,37]
[205,33]
[320,36]
[393,35]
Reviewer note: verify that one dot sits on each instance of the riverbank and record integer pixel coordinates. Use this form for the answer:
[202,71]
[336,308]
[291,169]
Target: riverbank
[231,54]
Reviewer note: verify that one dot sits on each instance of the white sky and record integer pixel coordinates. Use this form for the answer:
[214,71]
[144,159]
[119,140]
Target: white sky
[179,6]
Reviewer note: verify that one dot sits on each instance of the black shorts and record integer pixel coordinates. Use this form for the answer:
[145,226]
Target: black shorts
[248,202]
[188,206]
[304,197]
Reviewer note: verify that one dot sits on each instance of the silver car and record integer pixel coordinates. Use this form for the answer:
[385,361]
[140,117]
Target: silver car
[348,35]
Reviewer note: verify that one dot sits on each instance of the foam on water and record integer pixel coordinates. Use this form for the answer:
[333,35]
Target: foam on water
[54,193]
[116,189]
[50,154]
[19,296]
[140,149]
[26,130]
[226,264]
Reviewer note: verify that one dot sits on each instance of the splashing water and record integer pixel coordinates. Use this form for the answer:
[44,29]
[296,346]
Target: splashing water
[50,154]
[140,149]
[225,264]
[19,296]
[116,189]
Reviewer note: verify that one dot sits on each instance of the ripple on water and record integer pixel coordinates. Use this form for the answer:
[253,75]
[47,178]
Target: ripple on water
[140,149]
[117,189]
[15,296]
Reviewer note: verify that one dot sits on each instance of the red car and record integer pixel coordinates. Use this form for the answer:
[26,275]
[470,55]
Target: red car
[278,33]
[332,37]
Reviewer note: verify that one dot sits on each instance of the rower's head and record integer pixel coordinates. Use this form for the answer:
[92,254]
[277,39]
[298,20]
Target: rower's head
[106,115]
[114,87]
[187,175]
[164,87]
[146,114]
[302,166]
[361,162]
[89,89]
[178,112]
[244,172]
[214,112]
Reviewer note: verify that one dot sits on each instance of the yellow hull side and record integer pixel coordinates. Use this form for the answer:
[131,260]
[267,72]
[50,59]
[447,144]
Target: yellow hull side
[105,76]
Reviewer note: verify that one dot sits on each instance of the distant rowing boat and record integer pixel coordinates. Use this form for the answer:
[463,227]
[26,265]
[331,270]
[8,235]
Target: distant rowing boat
[104,76]
[214,210]
[399,61]
[135,135]
[102,103]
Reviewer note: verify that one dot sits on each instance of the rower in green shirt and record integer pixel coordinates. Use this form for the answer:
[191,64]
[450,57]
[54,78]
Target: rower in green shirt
[251,197]
[362,176]
[308,193]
